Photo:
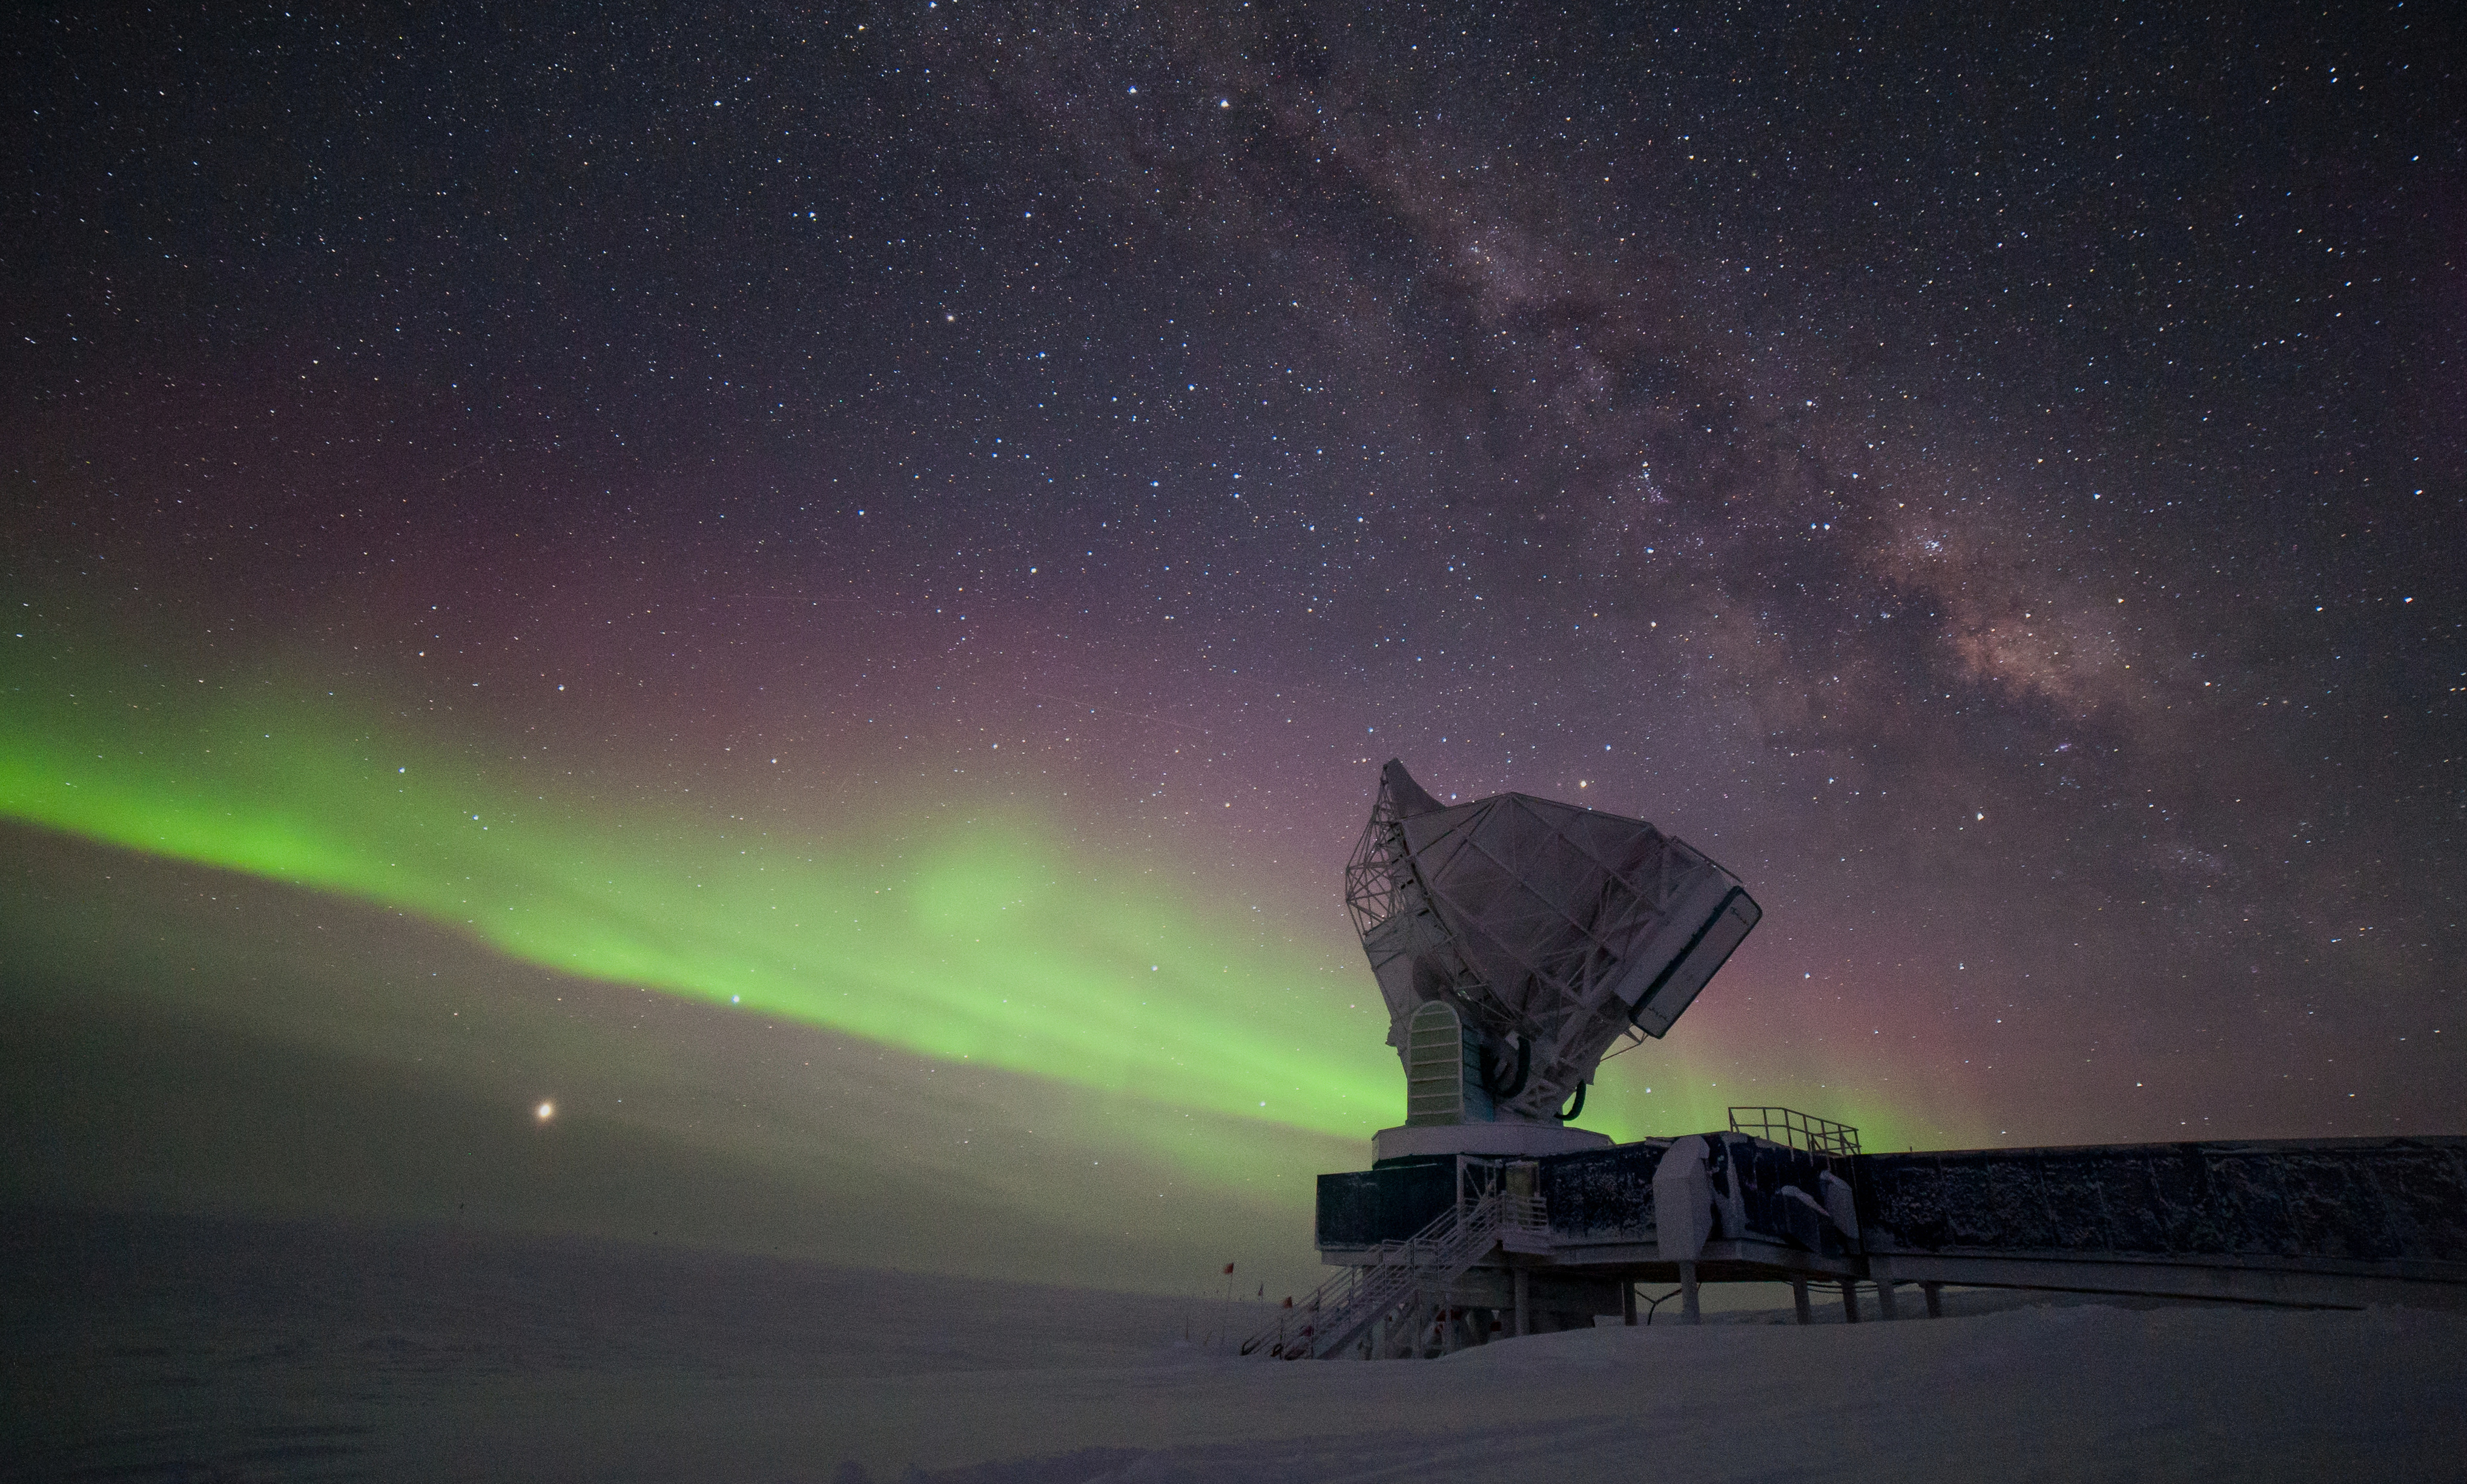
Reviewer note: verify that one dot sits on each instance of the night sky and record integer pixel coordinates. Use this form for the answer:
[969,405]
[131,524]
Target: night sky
[825,589]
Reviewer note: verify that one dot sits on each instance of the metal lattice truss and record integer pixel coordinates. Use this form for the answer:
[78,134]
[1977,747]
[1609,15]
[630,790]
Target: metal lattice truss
[1554,929]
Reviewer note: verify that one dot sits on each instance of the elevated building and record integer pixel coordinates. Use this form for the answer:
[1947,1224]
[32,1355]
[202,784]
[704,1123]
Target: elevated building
[1517,941]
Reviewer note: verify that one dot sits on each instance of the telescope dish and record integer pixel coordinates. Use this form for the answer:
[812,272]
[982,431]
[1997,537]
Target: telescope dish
[1551,930]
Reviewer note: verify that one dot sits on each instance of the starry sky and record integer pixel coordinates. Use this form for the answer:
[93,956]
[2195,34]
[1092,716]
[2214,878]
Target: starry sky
[825,587]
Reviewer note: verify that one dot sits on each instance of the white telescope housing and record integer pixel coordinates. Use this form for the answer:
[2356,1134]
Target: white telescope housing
[1546,931]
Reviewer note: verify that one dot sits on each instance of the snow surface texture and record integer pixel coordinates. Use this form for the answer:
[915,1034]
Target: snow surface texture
[162,1348]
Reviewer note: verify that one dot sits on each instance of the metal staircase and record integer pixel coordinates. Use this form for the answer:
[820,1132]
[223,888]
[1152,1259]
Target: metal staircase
[1343,1309]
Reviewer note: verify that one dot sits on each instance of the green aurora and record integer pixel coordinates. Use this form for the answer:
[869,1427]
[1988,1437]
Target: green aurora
[979,939]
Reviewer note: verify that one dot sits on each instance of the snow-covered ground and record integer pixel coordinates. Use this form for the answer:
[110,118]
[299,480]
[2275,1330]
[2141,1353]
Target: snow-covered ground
[186,1349]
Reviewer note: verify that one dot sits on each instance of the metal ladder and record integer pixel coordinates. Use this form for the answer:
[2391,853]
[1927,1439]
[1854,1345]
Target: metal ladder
[1340,1311]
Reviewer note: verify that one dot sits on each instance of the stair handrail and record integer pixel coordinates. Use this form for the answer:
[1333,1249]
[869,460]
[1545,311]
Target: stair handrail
[1389,1289]
[1339,1292]
[1437,1255]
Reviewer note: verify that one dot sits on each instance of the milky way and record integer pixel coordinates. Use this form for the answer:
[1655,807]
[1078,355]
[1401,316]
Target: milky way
[1994,486]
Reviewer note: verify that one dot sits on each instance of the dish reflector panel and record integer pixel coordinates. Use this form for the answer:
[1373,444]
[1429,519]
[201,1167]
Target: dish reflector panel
[1551,929]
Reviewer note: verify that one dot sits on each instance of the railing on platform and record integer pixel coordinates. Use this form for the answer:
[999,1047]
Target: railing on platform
[1343,1309]
[1797,1130]
[1524,1222]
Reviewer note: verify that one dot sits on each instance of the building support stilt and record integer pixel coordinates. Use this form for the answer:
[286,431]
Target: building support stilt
[1849,1302]
[1934,1292]
[1688,1312]
[1799,1301]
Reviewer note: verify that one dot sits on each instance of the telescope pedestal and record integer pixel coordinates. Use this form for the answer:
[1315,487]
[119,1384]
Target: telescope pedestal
[1495,1140]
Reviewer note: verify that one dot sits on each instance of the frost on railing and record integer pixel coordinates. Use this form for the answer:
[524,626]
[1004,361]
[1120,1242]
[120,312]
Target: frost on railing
[1797,1130]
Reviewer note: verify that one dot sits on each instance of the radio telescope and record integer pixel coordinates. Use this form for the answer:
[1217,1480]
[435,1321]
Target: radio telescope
[1516,939]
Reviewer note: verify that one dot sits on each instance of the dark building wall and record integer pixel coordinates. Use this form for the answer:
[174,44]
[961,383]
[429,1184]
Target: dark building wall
[1602,1195]
[1595,1196]
[1387,1204]
[2347,1200]
[2352,1199]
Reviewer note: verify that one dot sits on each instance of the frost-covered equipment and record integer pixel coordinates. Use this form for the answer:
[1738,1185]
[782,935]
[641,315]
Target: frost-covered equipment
[1551,930]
